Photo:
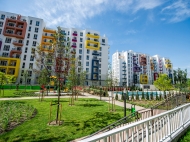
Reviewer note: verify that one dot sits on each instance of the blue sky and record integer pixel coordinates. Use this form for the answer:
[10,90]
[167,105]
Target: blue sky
[149,26]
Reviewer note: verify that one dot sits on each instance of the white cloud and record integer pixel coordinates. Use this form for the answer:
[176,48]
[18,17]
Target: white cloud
[179,10]
[129,32]
[136,5]
[134,19]
[67,13]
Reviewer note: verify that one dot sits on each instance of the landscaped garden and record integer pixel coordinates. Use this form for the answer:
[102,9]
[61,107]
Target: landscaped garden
[85,117]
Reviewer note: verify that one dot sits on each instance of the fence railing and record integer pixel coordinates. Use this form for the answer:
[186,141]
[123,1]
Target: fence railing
[167,104]
[161,127]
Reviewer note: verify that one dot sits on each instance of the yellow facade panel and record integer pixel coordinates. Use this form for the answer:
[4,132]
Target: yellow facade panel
[49,30]
[13,65]
[87,42]
[93,36]
[143,79]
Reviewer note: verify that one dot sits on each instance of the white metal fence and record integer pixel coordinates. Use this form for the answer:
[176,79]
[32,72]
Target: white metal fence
[162,127]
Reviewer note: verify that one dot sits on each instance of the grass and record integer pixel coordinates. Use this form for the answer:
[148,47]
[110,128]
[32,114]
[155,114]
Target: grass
[144,103]
[84,118]
[10,93]
[13,113]
[186,137]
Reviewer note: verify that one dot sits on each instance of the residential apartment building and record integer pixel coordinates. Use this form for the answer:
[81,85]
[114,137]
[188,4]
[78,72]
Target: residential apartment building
[20,35]
[92,51]
[132,68]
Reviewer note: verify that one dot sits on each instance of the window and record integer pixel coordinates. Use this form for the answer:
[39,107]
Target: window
[79,69]
[36,30]
[35,36]
[23,65]
[80,51]
[24,57]
[21,81]
[37,23]
[6,47]
[26,50]
[68,32]
[29,29]
[80,57]
[100,48]
[87,63]
[80,45]
[86,76]
[28,81]
[0,31]
[22,72]
[81,34]
[103,40]
[87,69]
[27,42]
[8,40]
[100,59]
[34,43]
[99,65]
[88,51]
[99,71]
[2,16]
[28,35]
[80,39]
[31,58]
[33,50]
[5,54]
[100,54]
[1,24]
[30,22]
[87,57]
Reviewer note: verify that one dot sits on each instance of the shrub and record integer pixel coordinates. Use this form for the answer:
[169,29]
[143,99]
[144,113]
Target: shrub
[143,95]
[147,96]
[116,96]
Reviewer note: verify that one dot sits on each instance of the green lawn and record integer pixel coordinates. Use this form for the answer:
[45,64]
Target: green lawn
[10,93]
[85,117]
[186,137]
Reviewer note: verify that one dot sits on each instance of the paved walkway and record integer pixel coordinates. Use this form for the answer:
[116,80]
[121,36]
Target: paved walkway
[86,95]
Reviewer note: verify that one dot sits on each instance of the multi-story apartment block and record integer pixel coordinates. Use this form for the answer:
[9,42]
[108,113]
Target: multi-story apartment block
[20,35]
[92,51]
[132,68]
[161,65]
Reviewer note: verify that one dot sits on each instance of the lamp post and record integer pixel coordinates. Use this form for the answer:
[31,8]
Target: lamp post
[124,91]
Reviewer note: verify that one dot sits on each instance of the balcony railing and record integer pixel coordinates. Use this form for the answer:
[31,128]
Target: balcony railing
[74,40]
[74,34]
[74,46]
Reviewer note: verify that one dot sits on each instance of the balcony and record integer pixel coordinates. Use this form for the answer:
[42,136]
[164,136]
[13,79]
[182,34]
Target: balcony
[74,40]
[74,34]
[14,50]
[18,43]
[95,53]
[92,35]
[74,46]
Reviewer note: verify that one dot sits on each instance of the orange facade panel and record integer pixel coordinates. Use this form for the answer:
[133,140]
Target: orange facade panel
[15,28]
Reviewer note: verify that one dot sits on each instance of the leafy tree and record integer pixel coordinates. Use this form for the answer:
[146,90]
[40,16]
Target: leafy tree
[147,96]
[163,83]
[25,76]
[3,80]
[116,96]
[82,78]
[180,78]
[56,59]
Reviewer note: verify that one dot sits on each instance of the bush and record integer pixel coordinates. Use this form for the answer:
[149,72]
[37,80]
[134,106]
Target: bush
[147,96]
[151,96]
[142,95]
[157,98]
[116,96]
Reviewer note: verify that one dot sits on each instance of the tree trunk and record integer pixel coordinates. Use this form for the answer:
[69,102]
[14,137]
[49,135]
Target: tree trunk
[58,102]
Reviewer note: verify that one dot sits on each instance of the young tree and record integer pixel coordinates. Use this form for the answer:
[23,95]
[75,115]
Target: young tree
[82,78]
[163,83]
[180,78]
[56,60]
[43,79]
[25,76]
[3,80]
